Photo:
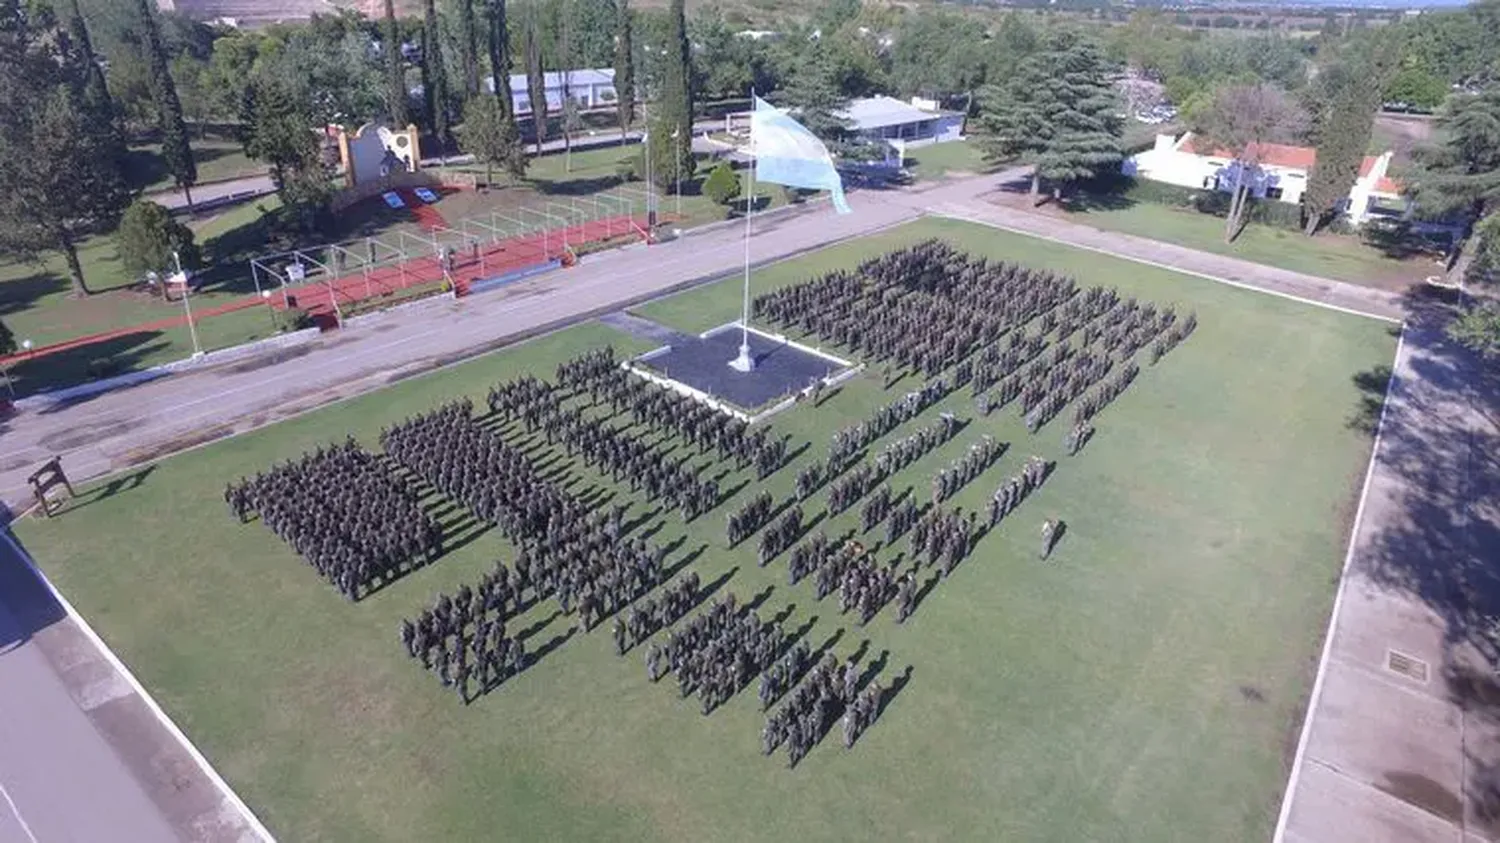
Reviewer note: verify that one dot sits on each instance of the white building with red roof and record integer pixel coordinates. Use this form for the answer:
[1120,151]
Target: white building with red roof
[1272,170]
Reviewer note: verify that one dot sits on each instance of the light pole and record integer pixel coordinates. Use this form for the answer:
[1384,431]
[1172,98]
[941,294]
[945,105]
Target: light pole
[187,290]
[265,296]
[677,136]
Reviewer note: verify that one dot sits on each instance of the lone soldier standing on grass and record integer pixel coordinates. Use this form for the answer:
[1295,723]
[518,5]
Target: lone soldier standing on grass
[1049,532]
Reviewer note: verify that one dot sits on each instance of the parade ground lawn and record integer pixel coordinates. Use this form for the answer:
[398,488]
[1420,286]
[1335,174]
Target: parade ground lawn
[1145,683]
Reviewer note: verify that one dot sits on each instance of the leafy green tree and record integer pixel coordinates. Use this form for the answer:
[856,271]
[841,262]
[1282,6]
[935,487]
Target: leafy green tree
[723,184]
[813,97]
[176,150]
[436,100]
[1418,88]
[938,54]
[148,237]
[276,132]
[1462,175]
[1058,110]
[1345,97]
[1478,328]
[489,134]
[536,76]
[397,97]
[468,48]
[60,162]
[1244,119]
[624,67]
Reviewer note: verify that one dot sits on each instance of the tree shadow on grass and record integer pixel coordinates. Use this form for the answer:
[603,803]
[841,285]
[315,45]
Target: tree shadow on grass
[85,363]
[21,294]
[587,186]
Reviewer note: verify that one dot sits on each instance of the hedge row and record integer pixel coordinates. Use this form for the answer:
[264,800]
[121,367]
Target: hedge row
[1269,212]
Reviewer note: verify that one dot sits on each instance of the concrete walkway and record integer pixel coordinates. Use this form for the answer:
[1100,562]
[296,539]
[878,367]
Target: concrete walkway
[1402,742]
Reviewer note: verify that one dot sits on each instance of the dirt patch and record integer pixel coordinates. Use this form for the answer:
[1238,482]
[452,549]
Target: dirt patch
[86,434]
[1424,793]
[173,445]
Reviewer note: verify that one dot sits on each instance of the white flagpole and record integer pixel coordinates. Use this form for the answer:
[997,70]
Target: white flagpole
[745,362]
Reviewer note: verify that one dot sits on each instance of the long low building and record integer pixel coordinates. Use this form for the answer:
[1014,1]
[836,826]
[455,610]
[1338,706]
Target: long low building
[1279,173]
[592,89]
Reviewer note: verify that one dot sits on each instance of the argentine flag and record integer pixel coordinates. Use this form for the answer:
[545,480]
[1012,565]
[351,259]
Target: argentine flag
[787,153]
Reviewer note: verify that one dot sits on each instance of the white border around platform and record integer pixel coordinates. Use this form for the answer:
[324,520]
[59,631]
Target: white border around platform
[847,370]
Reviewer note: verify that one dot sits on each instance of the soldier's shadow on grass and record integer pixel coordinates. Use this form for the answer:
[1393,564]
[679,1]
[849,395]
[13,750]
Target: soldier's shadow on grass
[116,485]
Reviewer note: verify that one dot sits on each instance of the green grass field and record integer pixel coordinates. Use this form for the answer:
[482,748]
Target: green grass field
[941,160]
[1144,684]
[1342,258]
[217,159]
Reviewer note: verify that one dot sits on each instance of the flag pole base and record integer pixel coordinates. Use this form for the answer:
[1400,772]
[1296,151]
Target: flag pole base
[744,362]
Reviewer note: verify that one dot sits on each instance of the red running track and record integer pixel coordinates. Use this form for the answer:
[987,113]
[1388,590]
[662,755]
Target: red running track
[491,259]
[469,265]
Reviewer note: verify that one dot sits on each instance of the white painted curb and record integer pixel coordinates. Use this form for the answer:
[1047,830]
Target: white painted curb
[1333,617]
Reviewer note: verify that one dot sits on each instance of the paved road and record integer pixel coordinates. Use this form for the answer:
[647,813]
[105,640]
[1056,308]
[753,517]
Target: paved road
[1403,739]
[115,430]
[82,757]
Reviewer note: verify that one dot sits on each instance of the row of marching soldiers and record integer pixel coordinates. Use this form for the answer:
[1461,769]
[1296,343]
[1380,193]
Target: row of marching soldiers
[828,692]
[717,652]
[464,640]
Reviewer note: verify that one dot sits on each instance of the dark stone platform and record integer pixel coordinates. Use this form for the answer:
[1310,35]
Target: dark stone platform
[703,363]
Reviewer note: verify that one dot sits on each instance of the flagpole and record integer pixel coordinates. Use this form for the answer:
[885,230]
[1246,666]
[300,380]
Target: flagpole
[745,362]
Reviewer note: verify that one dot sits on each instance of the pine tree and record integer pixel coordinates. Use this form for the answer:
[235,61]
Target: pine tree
[176,151]
[468,47]
[1462,175]
[624,67]
[435,96]
[1348,93]
[1059,110]
[395,69]
[59,163]
[499,49]
[536,78]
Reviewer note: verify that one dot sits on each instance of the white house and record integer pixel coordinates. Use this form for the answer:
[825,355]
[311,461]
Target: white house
[592,89]
[1279,172]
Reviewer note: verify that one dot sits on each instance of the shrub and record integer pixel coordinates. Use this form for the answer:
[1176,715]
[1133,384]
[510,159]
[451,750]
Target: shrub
[723,184]
[148,236]
[294,319]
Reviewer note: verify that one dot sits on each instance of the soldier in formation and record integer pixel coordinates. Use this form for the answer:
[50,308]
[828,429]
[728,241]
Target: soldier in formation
[349,518]
[717,652]
[464,641]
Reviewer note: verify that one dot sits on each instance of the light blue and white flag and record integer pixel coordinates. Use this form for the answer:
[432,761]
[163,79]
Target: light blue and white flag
[787,153]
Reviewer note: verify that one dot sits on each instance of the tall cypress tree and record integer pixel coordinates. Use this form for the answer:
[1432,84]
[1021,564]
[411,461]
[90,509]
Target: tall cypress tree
[1347,94]
[624,66]
[435,96]
[395,69]
[468,47]
[95,87]
[536,77]
[175,149]
[672,129]
[499,49]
